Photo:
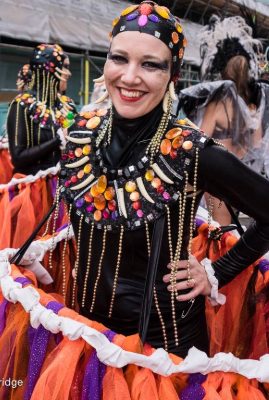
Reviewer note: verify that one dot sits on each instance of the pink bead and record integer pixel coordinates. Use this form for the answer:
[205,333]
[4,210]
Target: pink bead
[166,195]
[90,208]
[106,214]
[142,20]
[139,213]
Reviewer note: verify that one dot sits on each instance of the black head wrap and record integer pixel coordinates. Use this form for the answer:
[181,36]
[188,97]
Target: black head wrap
[148,17]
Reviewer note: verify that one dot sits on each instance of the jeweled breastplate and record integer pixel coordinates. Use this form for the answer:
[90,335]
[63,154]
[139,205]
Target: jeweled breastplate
[132,195]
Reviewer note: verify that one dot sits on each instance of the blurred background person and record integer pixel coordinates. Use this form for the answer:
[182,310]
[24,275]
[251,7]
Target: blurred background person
[232,110]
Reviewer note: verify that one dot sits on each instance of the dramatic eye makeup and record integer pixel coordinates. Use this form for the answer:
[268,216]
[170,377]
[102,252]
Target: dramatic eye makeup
[117,58]
[148,64]
[156,65]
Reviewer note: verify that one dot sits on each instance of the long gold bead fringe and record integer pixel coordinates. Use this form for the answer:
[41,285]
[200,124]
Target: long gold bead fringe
[155,295]
[55,218]
[63,255]
[87,267]
[116,272]
[99,269]
[77,261]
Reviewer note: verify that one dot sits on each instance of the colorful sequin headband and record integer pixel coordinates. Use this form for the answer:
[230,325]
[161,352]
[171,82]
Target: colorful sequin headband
[49,58]
[155,20]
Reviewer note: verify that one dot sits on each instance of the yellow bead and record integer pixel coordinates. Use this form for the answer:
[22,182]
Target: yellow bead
[100,202]
[172,133]
[149,175]
[179,27]
[93,122]
[109,193]
[130,186]
[86,150]
[162,11]
[87,169]
[115,21]
[101,184]
[128,10]
[94,192]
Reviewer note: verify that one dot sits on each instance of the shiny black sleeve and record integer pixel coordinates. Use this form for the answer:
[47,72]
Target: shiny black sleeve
[227,178]
[21,154]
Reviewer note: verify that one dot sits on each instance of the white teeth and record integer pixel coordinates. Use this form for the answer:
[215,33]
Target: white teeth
[128,93]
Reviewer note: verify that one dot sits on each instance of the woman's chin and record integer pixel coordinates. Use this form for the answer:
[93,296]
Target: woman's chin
[131,111]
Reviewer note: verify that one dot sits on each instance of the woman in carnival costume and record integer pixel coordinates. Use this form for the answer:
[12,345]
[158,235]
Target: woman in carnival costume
[6,168]
[233,110]
[34,126]
[132,178]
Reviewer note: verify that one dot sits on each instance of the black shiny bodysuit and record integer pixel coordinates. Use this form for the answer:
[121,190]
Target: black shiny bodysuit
[219,173]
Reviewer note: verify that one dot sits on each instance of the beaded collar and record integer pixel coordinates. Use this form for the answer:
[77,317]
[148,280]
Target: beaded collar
[131,196]
[61,114]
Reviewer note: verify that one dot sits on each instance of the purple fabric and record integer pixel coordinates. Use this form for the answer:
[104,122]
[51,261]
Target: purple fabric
[11,193]
[194,390]
[53,186]
[94,374]
[23,281]
[62,227]
[199,222]
[263,266]
[38,343]
[3,305]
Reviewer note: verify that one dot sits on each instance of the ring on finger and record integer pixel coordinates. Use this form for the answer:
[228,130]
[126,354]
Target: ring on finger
[191,282]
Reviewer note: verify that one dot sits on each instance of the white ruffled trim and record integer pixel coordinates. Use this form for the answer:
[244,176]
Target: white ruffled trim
[32,178]
[35,253]
[113,355]
[61,135]
[215,298]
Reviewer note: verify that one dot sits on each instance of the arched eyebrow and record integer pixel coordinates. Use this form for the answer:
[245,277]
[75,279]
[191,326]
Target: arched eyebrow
[147,57]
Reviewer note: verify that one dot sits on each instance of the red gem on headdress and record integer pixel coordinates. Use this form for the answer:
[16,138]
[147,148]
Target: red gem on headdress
[145,9]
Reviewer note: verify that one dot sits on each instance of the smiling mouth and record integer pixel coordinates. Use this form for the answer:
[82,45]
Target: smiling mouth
[131,95]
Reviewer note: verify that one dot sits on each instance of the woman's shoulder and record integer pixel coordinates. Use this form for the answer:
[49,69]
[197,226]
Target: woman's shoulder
[190,134]
[24,100]
[89,121]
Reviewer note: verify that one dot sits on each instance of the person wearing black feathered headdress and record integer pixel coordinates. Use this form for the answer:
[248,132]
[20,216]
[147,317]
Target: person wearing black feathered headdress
[232,109]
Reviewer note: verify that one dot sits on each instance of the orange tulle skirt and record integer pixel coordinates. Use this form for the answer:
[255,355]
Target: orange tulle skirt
[23,206]
[6,167]
[53,367]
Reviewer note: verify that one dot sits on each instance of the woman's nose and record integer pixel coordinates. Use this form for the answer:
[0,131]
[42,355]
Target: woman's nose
[130,75]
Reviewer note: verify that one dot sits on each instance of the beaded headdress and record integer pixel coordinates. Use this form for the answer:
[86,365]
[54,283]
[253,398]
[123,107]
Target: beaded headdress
[223,39]
[48,58]
[148,17]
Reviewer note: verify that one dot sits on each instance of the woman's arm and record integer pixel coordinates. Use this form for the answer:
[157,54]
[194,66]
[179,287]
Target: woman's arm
[226,177]
[209,120]
[21,153]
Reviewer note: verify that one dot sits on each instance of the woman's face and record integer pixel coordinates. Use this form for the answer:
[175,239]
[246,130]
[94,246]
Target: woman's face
[137,72]
[65,74]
